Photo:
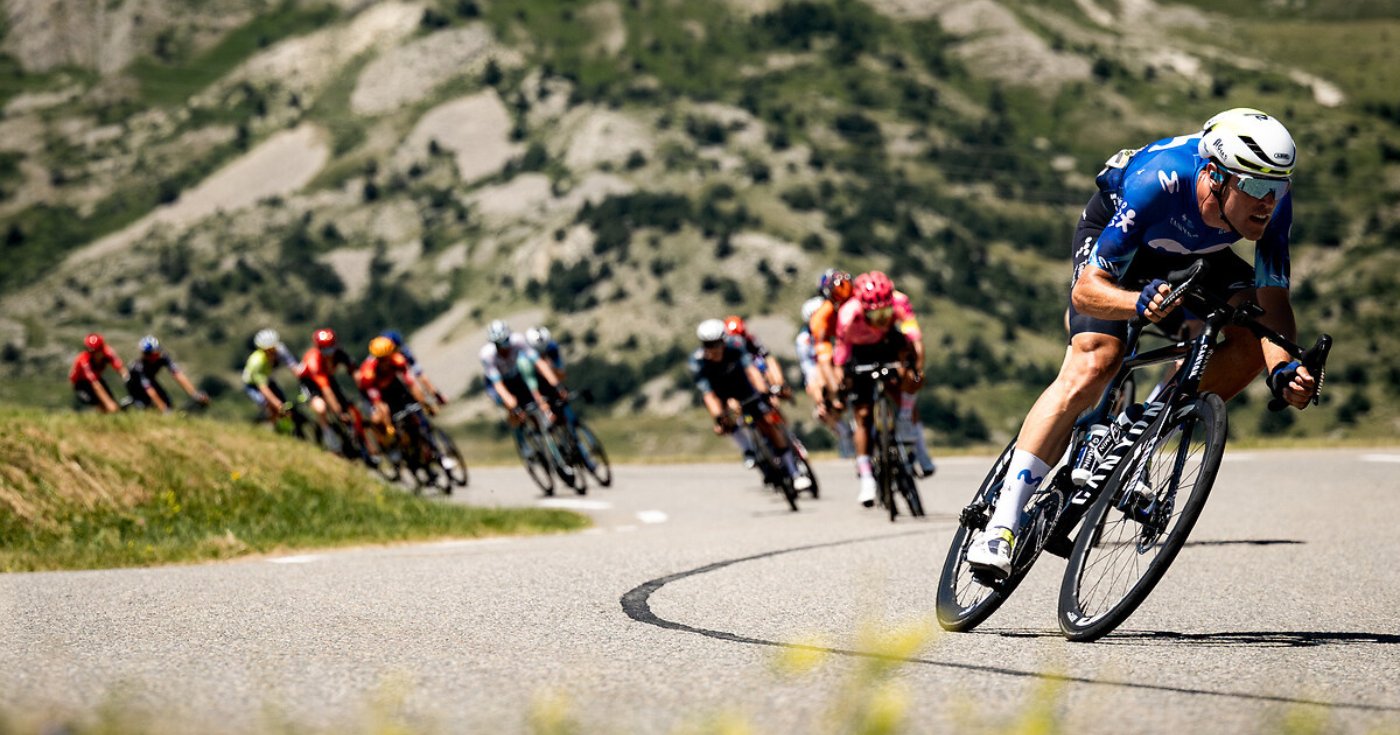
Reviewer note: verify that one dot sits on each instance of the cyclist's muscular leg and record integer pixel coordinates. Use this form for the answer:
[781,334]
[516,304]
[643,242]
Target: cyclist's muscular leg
[1090,363]
[1236,363]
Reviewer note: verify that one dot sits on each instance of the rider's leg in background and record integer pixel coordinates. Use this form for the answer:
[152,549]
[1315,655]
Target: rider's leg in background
[1237,362]
[864,474]
[1090,362]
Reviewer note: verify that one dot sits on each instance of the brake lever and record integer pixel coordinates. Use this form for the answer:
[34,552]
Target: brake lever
[1315,360]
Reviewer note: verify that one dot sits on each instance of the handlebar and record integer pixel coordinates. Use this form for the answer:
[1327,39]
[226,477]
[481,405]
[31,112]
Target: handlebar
[1187,281]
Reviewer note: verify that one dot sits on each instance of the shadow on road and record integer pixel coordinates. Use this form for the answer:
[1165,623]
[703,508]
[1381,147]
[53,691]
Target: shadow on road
[1249,542]
[1225,639]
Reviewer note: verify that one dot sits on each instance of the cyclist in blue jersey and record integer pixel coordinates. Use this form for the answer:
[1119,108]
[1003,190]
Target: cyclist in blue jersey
[1158,209]
[413,366]
[543,343]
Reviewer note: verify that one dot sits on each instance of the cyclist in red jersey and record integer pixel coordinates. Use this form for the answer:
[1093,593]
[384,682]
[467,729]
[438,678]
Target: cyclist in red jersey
[86,376]
[316,373]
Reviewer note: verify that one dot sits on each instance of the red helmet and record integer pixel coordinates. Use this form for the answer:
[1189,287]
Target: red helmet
[324,338]
[94,342]
[874,289]
[836,285]
[735,325]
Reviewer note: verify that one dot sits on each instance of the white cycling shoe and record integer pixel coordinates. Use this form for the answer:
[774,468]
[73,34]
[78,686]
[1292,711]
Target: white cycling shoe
[992,551]
[867,491]
[801,483]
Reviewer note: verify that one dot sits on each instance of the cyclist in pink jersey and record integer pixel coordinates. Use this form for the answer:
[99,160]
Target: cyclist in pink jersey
[879,326]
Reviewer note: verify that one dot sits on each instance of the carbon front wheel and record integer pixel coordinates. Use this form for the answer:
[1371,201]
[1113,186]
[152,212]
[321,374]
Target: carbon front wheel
[1142,518]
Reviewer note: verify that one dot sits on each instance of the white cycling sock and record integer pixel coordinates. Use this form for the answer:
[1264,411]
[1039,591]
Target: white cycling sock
[1023,476]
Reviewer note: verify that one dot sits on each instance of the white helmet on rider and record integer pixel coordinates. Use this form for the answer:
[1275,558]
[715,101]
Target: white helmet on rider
[538,337]
[810,306]
[266,339]
[498,333]
[710,330]
[1246,141]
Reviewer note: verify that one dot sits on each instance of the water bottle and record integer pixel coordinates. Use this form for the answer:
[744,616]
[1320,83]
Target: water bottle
[1088,457]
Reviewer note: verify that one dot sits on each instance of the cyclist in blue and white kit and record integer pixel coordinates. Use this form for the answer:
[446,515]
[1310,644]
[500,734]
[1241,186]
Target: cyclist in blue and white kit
[1158,209]
[509,364]
[548,349]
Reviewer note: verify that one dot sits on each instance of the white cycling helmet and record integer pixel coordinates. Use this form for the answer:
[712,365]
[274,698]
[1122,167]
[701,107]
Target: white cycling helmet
[809,307]
[1250,142]
[538,337]
[710,330]
[266,339]
[499,333]
[148,344]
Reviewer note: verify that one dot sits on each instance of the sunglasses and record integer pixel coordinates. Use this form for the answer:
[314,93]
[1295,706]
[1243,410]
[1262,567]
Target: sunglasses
[1261,188]
[880,315]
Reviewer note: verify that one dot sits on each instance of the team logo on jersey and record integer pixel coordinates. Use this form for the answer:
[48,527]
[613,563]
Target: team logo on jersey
[1123,219]
[1169,183]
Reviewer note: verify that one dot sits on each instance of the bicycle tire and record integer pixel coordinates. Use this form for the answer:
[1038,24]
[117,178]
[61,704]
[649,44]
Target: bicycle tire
[908,490]
[535,458]
[386,467]
[458,473]
[592,449]
[567,461]
[789,492]
[965,600]
[1095,598]
[805,468]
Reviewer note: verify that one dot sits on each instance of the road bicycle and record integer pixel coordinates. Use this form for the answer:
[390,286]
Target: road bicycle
[891,459]
[537,441]
[1142,498]
[767,459]
[580,446]
[429,455]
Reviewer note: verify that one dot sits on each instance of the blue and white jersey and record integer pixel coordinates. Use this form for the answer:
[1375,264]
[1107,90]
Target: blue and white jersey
[1155,192]
[498,365]
[806,355]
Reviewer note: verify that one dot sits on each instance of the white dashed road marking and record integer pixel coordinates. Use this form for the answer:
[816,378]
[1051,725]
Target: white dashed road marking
[1381,458]
[651,516]
[299,559]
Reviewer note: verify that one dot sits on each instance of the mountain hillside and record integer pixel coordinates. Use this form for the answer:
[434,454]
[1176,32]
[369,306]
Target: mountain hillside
[622,170]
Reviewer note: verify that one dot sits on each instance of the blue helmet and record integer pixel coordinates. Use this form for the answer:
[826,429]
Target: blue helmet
[149,344]
[394,336]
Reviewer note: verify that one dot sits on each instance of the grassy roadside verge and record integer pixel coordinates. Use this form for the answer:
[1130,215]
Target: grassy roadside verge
[87,491]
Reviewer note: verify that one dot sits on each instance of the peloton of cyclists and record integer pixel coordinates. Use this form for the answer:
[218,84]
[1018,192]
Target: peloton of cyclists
[1157,210]
[89,388]
[141,383]
[877,325]
[724,370]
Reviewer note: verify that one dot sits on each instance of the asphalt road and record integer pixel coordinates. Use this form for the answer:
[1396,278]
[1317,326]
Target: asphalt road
[674,612]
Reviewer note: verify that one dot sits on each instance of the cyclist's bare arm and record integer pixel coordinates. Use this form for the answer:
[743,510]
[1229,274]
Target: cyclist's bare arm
[775,371]
[189,388]
[1278,316]
[759,382]
[156,401]
[272,401]
[547,372]
[507,398]
[1098,294]
[103,397]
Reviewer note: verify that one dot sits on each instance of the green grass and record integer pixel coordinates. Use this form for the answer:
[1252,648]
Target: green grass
[82,491]
[171,84]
